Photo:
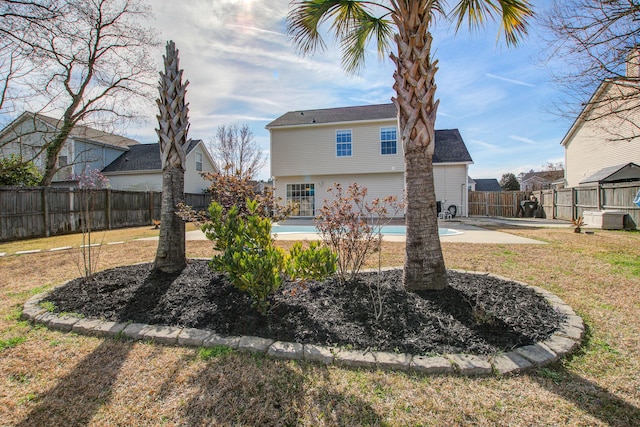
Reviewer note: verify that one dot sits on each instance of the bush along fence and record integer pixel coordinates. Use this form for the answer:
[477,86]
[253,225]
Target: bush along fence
[49,211]
[566,203]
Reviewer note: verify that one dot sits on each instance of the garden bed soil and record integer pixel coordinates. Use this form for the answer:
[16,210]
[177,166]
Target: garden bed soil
[477,314]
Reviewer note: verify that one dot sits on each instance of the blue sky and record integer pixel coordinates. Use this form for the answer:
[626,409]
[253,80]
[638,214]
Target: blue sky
[243,69]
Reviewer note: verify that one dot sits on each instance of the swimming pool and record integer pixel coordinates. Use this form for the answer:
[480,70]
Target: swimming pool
[391,230]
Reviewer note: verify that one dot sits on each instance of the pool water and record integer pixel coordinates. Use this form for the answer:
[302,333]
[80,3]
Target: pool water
[394,230]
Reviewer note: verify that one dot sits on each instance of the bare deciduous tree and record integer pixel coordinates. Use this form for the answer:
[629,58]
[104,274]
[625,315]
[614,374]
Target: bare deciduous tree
[88,63]
[596,43]
[235,152]
[18,18]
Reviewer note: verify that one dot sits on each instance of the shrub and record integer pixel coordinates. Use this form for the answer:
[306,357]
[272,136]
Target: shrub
[351,226]
[315,262]
[15,171]
[246,251]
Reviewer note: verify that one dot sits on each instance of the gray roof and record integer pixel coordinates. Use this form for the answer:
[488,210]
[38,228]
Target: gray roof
[623,172]
[449,148]
[86,132]
[142,157]
[491,184]
[335,115]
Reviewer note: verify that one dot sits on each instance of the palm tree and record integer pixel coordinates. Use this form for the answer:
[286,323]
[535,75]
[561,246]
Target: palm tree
[406,22]
[173,124]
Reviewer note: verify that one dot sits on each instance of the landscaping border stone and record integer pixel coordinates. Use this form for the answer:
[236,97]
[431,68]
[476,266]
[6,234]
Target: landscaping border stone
[564,341]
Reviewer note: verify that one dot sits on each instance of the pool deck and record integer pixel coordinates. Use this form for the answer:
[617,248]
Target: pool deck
[471,233]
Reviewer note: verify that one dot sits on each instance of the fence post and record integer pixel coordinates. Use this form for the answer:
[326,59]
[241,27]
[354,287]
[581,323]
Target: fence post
[108,209]
[151,202]
[45,212]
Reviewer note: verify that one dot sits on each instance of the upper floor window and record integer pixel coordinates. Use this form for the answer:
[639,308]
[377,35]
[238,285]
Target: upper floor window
[388,141]
[199,162]
[343,143]
[63,161]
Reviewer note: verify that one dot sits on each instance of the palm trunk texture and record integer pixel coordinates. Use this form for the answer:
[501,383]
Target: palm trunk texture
[424,267]
[173,126]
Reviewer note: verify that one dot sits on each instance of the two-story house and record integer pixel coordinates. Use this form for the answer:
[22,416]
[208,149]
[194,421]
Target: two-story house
[605,137]
[85,148]
[128,164]
[313,149]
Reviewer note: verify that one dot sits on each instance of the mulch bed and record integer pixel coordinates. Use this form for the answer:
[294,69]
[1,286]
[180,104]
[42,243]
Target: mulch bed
[477,314]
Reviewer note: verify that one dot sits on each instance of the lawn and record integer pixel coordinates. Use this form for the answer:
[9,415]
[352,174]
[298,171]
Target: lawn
[53,378]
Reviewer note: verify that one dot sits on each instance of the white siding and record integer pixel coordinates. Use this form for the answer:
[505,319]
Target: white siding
[378,185]
[591,146]
[311,150]
[151,181]
[451,186]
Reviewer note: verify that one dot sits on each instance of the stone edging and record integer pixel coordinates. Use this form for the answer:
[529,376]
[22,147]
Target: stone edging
[564,341]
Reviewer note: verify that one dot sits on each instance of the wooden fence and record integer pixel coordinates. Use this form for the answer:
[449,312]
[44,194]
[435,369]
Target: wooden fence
[42,212]
[566,203]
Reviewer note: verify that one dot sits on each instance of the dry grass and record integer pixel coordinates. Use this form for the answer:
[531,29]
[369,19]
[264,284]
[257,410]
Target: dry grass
[53,378]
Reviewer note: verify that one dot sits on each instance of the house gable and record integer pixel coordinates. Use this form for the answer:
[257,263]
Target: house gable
[598,139]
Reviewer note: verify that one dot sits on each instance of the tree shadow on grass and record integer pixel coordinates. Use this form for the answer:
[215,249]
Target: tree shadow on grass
[238,389]
[587,395]
[79,395]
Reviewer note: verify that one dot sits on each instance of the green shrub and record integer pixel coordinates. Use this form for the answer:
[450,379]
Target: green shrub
[316,262]
[246,251]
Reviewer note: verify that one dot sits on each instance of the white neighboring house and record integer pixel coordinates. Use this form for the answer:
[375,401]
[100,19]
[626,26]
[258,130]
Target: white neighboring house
[85,148]
[313,149]
[600,144]
[140,168]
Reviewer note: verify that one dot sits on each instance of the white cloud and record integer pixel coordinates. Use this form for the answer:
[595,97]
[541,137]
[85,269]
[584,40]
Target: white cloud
[522,139]
[505,79]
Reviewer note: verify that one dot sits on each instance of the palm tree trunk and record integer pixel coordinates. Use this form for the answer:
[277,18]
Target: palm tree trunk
[173,125]
[170,255]
[415,87]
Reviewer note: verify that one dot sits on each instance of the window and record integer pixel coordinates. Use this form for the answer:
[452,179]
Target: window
[62,161]
[301,197]
[199,162]
[388,141]
[343,143]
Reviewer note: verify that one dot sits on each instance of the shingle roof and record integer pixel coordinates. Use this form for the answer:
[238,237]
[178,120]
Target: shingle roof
[487,185]
[623,172]
[335,115]
[449,148]
[85,132]
[142,157]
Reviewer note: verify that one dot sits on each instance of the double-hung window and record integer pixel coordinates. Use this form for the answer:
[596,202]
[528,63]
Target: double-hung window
[343,143]
[388,141]
[198,162]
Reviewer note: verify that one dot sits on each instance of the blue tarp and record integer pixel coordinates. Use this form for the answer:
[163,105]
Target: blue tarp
[637,199]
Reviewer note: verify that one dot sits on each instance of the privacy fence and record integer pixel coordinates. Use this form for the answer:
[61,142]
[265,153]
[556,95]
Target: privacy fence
[43,212]
[566,203]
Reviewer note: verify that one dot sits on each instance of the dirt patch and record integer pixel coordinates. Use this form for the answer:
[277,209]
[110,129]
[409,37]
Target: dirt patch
[477,314]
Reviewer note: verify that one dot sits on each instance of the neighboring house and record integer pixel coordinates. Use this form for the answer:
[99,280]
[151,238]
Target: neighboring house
[600,139]
[543,180]
[313,149]
[490,184]
[85,148]
[140,168]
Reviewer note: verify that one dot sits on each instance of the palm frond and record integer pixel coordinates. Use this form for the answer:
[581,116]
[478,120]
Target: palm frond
[513,16]
[306,17]
[355,42]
